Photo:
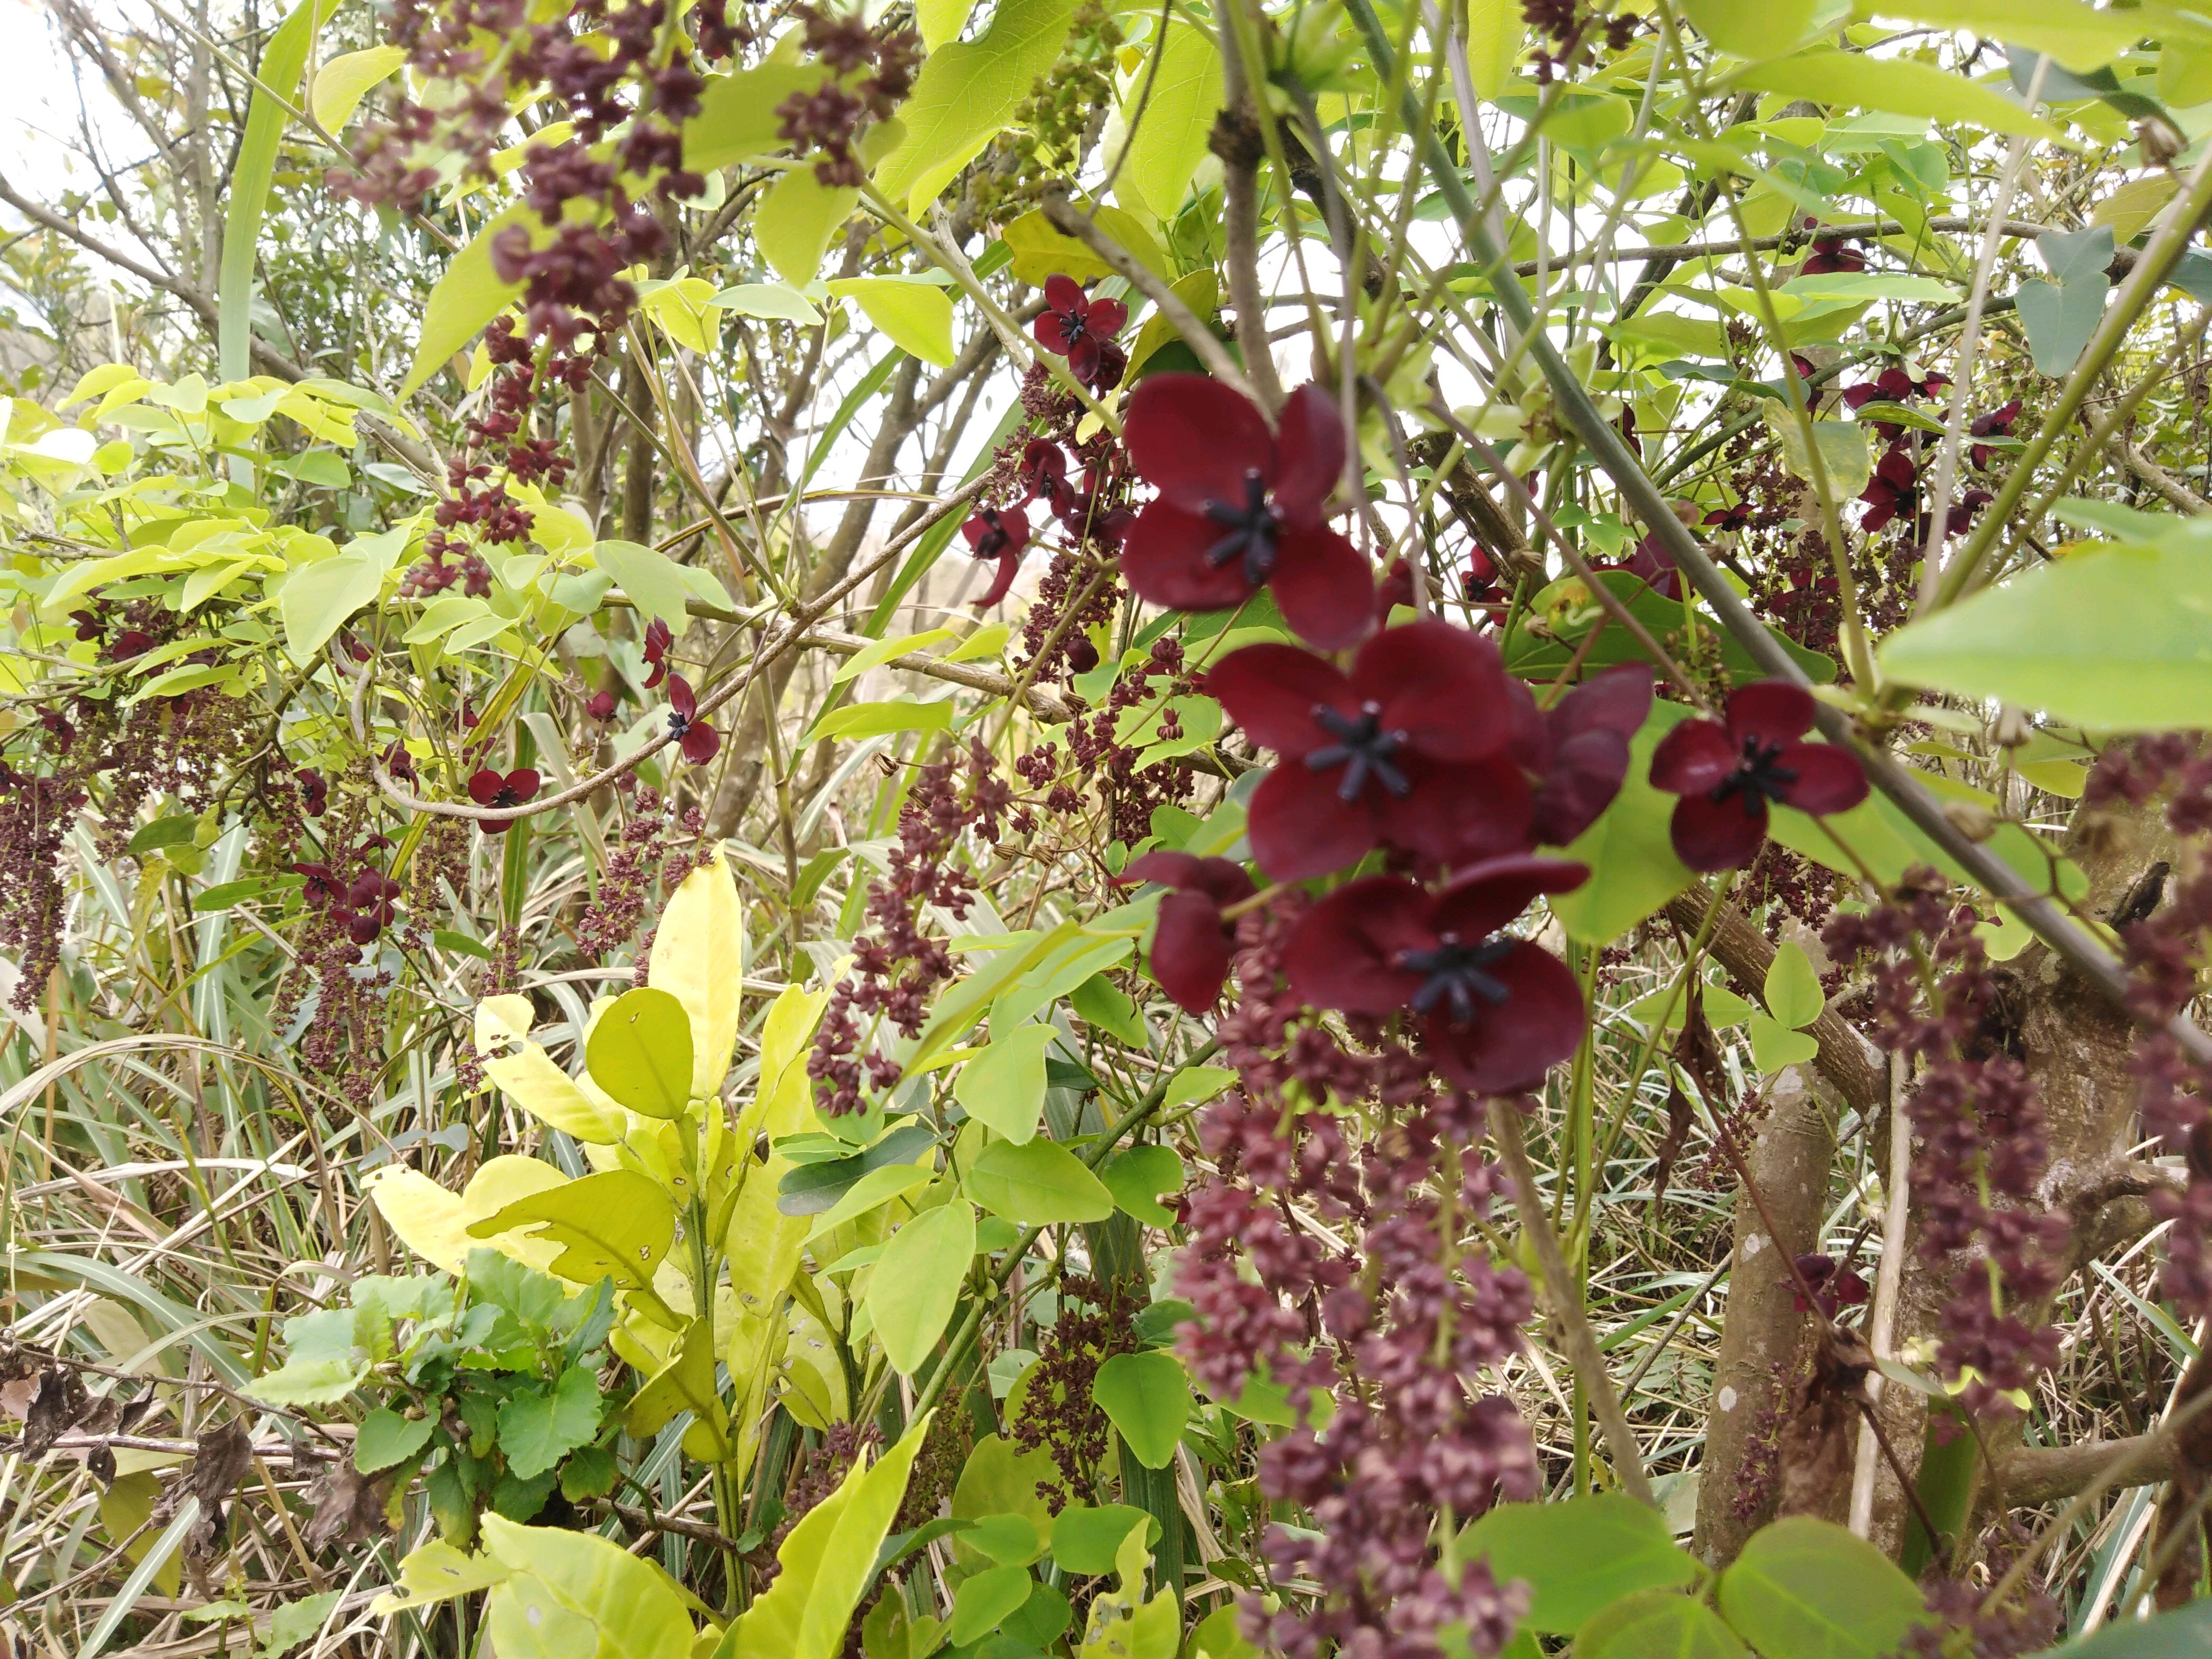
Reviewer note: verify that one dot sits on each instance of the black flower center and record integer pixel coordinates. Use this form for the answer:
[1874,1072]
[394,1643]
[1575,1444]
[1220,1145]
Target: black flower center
[677,726]
[993,540]
[505,797]
[1074,326]
[1362,748]
[1757,778]
[1456,974]
[1250,528]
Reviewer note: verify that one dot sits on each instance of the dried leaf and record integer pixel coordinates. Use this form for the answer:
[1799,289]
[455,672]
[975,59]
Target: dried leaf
[102,1462]
[60,1401]
[220,1462]
[1679,1116]
[1698,1051]
[349,1507]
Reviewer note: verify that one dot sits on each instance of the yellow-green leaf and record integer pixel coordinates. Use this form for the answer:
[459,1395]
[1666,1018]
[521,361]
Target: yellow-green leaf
[738,118]
[699,958]
[1169,138]
[916,1282]
[342,82]
[618,1223]
[1793,989]
[795,223]
[966,95]
[1898,85]
[565,1585]
[640,1052]
[1004,1085]
[469,295]
[917,315]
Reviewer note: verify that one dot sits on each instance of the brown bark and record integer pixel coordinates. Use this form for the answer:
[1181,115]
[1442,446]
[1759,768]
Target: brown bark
[1765,1341]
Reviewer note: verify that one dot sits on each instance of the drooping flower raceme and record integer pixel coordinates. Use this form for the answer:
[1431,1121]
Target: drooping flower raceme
[1496,1012]
[1239,508]
[1191,942]
[1727,771]
[1408,750]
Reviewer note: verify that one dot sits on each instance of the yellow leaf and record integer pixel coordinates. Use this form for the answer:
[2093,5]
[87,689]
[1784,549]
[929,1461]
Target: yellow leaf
[699,958]
[918,316]
[341,83]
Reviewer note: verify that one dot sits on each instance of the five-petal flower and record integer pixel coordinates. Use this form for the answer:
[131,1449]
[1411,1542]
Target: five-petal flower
[1407,749]
[1496,1012]
[1077,326]
[1727,772]
[1239,508]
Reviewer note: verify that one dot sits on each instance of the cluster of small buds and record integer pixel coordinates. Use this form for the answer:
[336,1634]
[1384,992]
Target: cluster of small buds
[870,75]
[1982,1147]
[37,812]
[1131,792]
[1565,25]
[611,920]
[1057,1411]
[896,969]
[1389,1327]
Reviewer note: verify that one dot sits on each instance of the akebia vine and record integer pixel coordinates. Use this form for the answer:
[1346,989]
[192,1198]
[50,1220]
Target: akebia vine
[1043,832]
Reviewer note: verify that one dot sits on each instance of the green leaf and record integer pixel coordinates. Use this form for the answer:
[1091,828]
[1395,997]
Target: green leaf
[1167,144]
[1793,989]
[2060,318]
[685,1383]
[1147,1397]
[965,94]
[344,80]
[917,1281]
[795,223]
[1038,1185]
[2111,638]
[1750,28]
[570,1594]
[1810,1589]
[1657,1623]
[1633,869]
[1901,86]
[469,295]
[1774,1045]
[1040,250]
[295,1621]
[1723,1007]
[283,64]
[999,1480]
[1578,1555]
[917,315]
[875,655]
[738,117]
[2184,1633]
[2080,38]
[1138,1176]
[1013,1540]
[1844,455]
[617,1223]
[1869,285]
[771,301]
[538,1429]
[437,1571]
[1098,1003]
[318,598]
[650,579]
[385,1439]
[1196,1083]
[826,1560]
[640,1053]
[984,1601]
[870,720]
[940,21]
[1004,1085]
[1085,1539]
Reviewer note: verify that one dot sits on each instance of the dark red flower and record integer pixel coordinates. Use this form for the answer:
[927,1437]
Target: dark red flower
[1895,385]
[1961,518]
[314,792]
[1076,326]
[1726,771]
[600,706]
[488,788]
[699,741]
[89,624]
[1833,1285]
[1239,508]
[1478,582]
[1577,749]
[1831,253]
[658,639]
[322,884]
[1191,942]
[1044,475]
[1731,517]
[132,642]
[1407,750]
[1894,490]
[1496,1012]
[1001,534]
[369,896]
[352,647]
[1998,423]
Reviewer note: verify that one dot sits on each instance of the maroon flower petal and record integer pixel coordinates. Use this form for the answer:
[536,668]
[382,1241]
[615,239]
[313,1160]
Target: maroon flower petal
[1693,757]
[1321,585]
[1164,865]
[1773,711]
[1442,685]
[681,697]
[1531,742]
[484,787]
[1190,950]
[1064,293]
[1458,814]
[1717,834]
[1044,329]
[700,745]
[1344,952]
[1010,564]
[1310,454]
[1508,1047]
[1272,692]
[1618,699]
[1193,439]
[1106,317]
[1479,901]
[1163,561]
[1083,357]
[1829,780]
[522,784]
[1586,774]
[1299,827]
